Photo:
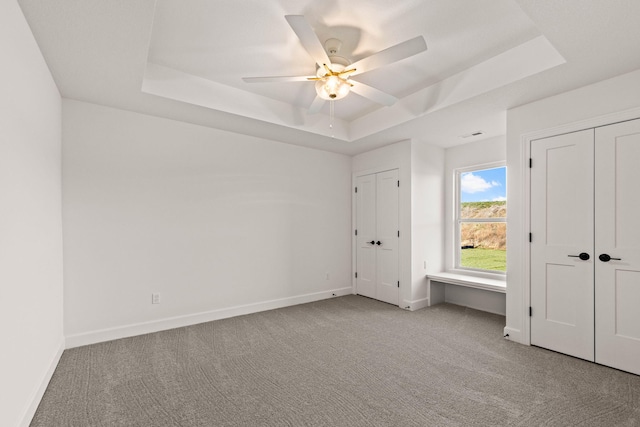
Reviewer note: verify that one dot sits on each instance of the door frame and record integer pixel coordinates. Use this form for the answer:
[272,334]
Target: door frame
[525,149]
[404,251]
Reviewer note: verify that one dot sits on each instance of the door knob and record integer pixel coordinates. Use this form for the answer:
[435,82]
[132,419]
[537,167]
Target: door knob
[583,256]
[607,258]
[371,242]
[378,243]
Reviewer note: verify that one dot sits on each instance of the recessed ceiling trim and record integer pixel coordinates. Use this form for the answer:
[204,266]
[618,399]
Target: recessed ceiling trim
[174,84]
[527,59]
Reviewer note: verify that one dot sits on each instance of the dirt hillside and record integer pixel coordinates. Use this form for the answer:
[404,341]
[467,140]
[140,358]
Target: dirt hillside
[485,235]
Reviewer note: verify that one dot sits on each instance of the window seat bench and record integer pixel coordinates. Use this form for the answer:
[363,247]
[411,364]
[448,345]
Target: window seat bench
[436,281]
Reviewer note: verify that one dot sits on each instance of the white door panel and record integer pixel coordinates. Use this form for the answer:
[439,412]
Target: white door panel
[617,283]
[562,228]
[387,235]
[366,226]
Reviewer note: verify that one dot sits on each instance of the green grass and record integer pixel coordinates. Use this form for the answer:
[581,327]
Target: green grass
[484,259]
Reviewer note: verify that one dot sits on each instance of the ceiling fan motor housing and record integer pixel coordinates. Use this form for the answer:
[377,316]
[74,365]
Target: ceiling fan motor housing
[337,64]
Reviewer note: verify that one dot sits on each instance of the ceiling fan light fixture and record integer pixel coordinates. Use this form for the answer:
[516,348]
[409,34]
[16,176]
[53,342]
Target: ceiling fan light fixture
[332,88]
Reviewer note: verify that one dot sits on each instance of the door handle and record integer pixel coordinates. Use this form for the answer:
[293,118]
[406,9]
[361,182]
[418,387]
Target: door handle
[378,243]
[607,258]
[371,242]
[583,256]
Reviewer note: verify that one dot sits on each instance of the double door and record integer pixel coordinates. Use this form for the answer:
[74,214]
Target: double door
[585,248]
[377,236]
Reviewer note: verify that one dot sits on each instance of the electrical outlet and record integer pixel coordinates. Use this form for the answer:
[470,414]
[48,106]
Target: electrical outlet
[155,298]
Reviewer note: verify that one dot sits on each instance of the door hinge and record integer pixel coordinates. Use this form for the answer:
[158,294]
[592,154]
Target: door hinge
[398,233]
[530,162]
[398,183]
[398,283]
[356,274]
[356,231]
[530,311]
[530,237]
[356,189]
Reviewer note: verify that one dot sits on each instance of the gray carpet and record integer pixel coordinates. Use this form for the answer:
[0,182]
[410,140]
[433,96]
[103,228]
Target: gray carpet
[348,361]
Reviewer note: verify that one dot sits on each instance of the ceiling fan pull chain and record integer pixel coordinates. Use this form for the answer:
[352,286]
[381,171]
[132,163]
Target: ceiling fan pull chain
[331,114]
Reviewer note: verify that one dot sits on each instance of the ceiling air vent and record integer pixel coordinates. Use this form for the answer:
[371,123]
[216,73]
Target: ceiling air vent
[471,135]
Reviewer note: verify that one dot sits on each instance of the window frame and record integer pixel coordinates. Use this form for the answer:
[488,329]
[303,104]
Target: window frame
[457,220]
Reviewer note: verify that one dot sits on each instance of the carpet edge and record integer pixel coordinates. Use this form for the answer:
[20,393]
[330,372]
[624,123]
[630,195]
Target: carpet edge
[108,334]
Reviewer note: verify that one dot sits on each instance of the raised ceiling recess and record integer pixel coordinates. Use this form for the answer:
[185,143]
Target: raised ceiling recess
[203,55]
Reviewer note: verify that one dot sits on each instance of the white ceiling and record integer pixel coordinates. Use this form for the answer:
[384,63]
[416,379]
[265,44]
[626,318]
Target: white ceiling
[185,60]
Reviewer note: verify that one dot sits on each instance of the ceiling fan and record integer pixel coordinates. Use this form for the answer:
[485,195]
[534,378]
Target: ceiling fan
[333,79]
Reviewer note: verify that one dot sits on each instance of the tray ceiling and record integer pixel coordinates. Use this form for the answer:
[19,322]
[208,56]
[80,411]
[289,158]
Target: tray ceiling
[186,60]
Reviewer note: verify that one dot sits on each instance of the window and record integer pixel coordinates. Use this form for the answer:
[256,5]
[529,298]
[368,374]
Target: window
[481,219]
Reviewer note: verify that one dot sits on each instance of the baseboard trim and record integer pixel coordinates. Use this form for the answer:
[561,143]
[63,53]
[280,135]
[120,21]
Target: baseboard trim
[416,304]
[514,335]
[142,328]
[39,392]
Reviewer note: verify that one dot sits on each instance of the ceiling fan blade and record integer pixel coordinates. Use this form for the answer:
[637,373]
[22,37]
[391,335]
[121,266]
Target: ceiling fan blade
[316,105]
[308,39]
[372,93]
[277,79]
[392,54]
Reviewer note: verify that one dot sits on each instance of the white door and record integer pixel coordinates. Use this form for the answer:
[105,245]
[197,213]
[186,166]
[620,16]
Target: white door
[377,239]
[387,237]
[562,224]
[617,284]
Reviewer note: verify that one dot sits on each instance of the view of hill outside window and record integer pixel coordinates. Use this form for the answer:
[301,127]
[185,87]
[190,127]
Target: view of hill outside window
[481,219]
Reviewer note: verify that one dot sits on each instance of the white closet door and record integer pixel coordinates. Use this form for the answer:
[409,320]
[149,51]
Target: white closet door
[377,240]
[617,235]
[562,228]
[365,241]
[387,236]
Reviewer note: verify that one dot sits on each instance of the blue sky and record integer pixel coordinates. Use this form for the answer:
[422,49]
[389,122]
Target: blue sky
[484,185]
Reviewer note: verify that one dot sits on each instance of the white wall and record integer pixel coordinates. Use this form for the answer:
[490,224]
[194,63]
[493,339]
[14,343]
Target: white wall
[30,221]
[218,223]
[600,99]
[427,216]
[420,170]
[479,299]
[471,154]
